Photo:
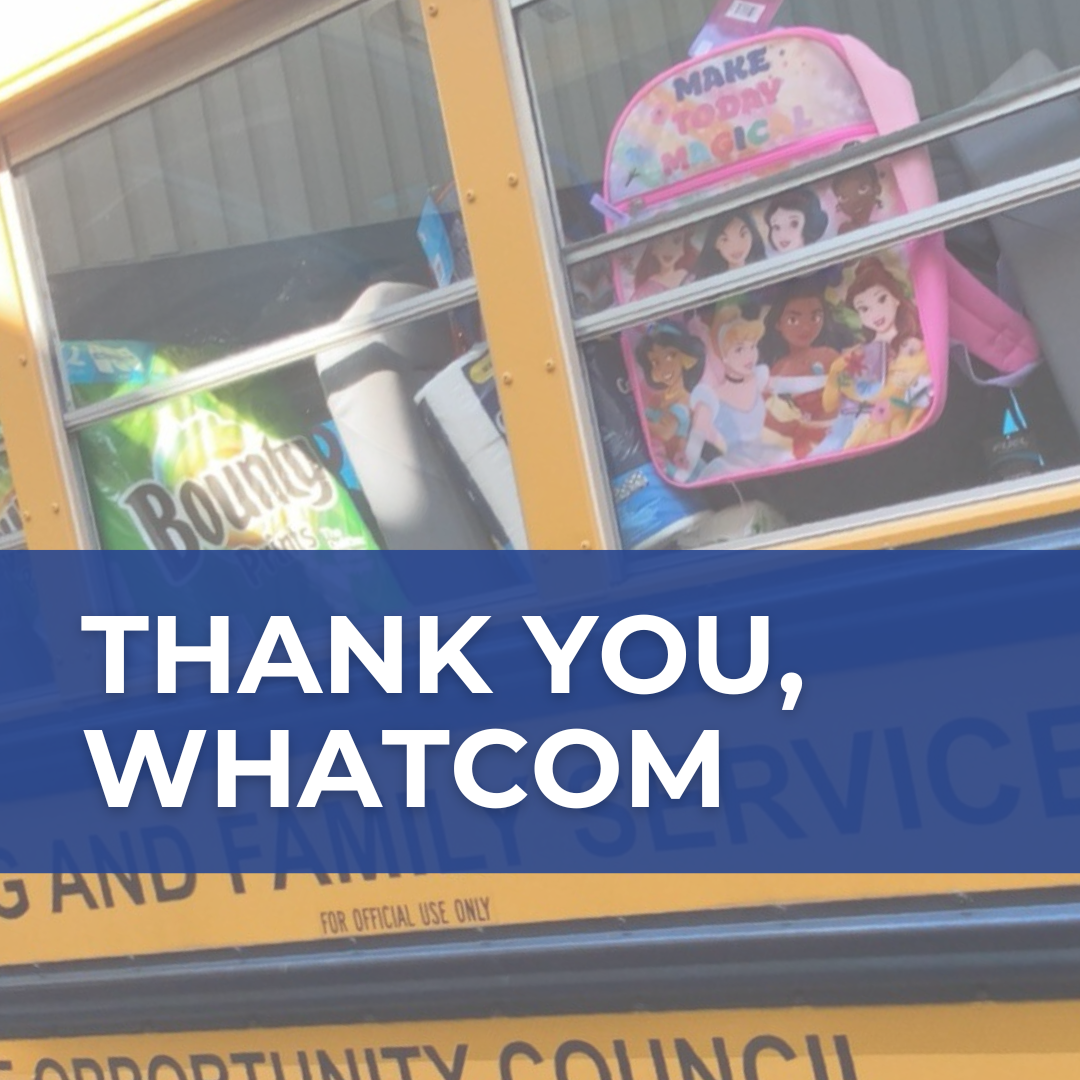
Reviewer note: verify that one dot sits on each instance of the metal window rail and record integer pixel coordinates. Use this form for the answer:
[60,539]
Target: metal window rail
[968,498]
[975,206]
[1060,534]
[915,137]
[1006,950]
[274,354]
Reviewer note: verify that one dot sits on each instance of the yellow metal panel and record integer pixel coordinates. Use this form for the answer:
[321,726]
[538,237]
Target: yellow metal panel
[67,917]
[970,517]
[983,1041]
[50,37]
[49,29]
[498,201]
[143,58]
[36,464]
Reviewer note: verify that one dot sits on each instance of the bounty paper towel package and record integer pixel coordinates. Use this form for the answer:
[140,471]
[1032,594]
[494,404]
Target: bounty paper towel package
[197,472]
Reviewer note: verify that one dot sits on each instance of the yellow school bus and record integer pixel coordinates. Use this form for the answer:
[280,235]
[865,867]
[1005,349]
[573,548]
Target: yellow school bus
[327,273]
[454,975]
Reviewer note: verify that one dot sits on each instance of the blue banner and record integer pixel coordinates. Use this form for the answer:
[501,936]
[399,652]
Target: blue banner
[582,711]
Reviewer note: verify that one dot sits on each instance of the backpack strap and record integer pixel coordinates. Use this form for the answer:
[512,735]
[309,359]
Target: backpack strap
[978,318]
[985,325]
[960,356]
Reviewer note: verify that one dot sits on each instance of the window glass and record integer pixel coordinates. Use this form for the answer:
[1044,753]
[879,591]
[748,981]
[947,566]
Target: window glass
[588,58]
[750,234]
[715,421]
[842,378]
[326,453]
[242,277]
[259,200]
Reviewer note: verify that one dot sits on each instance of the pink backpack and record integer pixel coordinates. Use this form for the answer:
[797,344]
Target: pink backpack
[839,363]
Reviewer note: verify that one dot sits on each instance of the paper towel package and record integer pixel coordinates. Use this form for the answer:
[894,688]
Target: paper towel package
[461,406]
[369,386]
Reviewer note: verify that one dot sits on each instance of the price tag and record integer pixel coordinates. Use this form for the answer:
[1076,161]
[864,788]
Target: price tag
[732,20]
[744,11]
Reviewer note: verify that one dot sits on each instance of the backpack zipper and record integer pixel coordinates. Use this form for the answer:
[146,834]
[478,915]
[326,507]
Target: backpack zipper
[685,187]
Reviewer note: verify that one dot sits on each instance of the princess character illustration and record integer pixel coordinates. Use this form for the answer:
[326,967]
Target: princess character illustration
[666,263]
[858,379]
[732,241]
[729,407]
[795,219]
[672,361]
[802,342]
[858,195]
[902,402]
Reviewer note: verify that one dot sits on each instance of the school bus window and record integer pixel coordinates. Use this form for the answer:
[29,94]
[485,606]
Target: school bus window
[785,363]
[587,59]
[277,458]
[259,228]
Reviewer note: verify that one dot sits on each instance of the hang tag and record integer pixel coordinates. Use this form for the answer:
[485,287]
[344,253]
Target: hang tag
[614,215]
[732,20]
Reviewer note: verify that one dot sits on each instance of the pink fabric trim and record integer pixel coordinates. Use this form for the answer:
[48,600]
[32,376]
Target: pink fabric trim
[836,137]
[982,321]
